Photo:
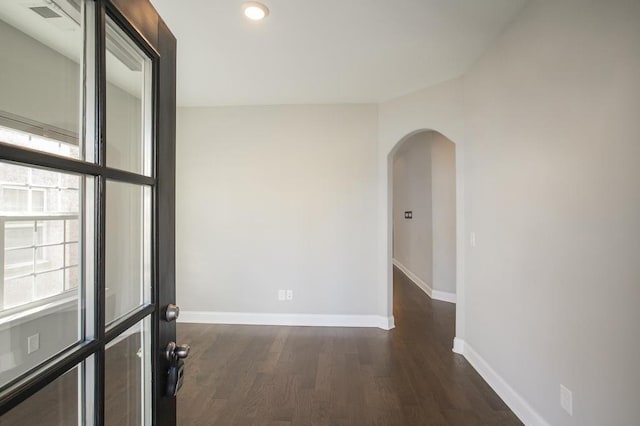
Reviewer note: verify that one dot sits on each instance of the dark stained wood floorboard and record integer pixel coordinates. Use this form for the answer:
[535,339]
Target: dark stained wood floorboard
[268,375]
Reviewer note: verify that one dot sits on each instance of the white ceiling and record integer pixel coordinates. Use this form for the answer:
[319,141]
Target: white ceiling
[326,51]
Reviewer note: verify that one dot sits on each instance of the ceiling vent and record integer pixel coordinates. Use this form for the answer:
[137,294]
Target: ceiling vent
[45,12]
[64,14]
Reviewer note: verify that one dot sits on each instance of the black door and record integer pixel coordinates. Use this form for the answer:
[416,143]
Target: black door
[87,223]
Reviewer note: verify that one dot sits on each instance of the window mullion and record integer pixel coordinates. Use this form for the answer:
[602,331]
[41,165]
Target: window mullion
[35,259]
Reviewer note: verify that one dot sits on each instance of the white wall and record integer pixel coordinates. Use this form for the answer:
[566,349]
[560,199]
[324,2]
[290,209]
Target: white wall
[124,130]
[124,248]
[57,328]
[31,70]
[554,283]
[413,238]
[443,202]
[279,197]
[125,208]
[546,128]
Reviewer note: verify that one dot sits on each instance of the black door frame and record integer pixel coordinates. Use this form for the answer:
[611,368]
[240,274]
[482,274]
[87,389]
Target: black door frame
[139,20]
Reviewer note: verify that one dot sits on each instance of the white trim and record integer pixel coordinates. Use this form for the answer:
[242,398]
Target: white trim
[444,296]
[458,345]
[312,320]
[40,308]
[434,294]
[388,323]
[521,408]
[124,335]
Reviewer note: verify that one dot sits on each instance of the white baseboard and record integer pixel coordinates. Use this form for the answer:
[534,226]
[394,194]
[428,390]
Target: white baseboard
[444,296]
[513,399]
[434,294]
[458,345]
[311,320]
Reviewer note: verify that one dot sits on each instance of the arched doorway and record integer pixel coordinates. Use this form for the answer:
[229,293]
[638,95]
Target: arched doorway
[427,244]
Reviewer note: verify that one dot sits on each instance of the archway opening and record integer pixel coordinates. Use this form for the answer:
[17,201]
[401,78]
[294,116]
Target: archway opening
[423,216]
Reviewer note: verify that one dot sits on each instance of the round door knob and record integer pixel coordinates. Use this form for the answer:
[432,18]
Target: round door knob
[172,313]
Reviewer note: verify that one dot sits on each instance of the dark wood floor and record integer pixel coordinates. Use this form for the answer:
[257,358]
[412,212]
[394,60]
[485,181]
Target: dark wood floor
[264,375]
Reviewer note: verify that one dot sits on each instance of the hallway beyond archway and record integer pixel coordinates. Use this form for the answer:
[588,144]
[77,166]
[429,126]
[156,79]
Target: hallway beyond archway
[423,212]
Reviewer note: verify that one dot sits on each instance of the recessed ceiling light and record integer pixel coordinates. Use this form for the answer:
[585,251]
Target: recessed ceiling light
[255,11]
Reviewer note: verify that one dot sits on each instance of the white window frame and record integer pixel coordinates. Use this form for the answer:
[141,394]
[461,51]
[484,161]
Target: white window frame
[66,292]
[30,190]
[26,126]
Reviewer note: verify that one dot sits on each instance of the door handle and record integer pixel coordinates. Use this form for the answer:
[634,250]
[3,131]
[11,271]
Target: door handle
[175,352]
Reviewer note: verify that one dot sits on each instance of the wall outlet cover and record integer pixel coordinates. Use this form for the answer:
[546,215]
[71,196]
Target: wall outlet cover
[289,294]
[33,343]
[566,400]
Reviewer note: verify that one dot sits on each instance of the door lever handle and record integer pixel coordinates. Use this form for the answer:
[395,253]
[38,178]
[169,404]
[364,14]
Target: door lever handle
[175,352]
[182,351]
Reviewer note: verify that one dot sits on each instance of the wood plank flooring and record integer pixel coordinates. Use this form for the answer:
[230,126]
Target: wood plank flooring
[269,375]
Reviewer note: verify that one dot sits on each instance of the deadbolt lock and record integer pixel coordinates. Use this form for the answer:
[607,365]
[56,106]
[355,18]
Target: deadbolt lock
[172,313]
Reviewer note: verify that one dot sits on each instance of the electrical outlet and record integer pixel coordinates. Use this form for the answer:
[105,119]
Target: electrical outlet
[289,294]
[33,343]
[281,296]
[566,400]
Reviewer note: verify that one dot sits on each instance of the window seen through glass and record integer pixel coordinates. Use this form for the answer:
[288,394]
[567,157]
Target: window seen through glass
[39,230]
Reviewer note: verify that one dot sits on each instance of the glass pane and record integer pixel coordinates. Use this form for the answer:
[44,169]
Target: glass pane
[40,299]
[54,405]
[18,235]
[71,230]
[37,201]
[71,278]
[41,68]
[48,258]
[128,248]
[128,377]
[51,231]
[71,254]
[49,284]
[18,291]
[128,103]
[13,198]
[57,198]
[18,262]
